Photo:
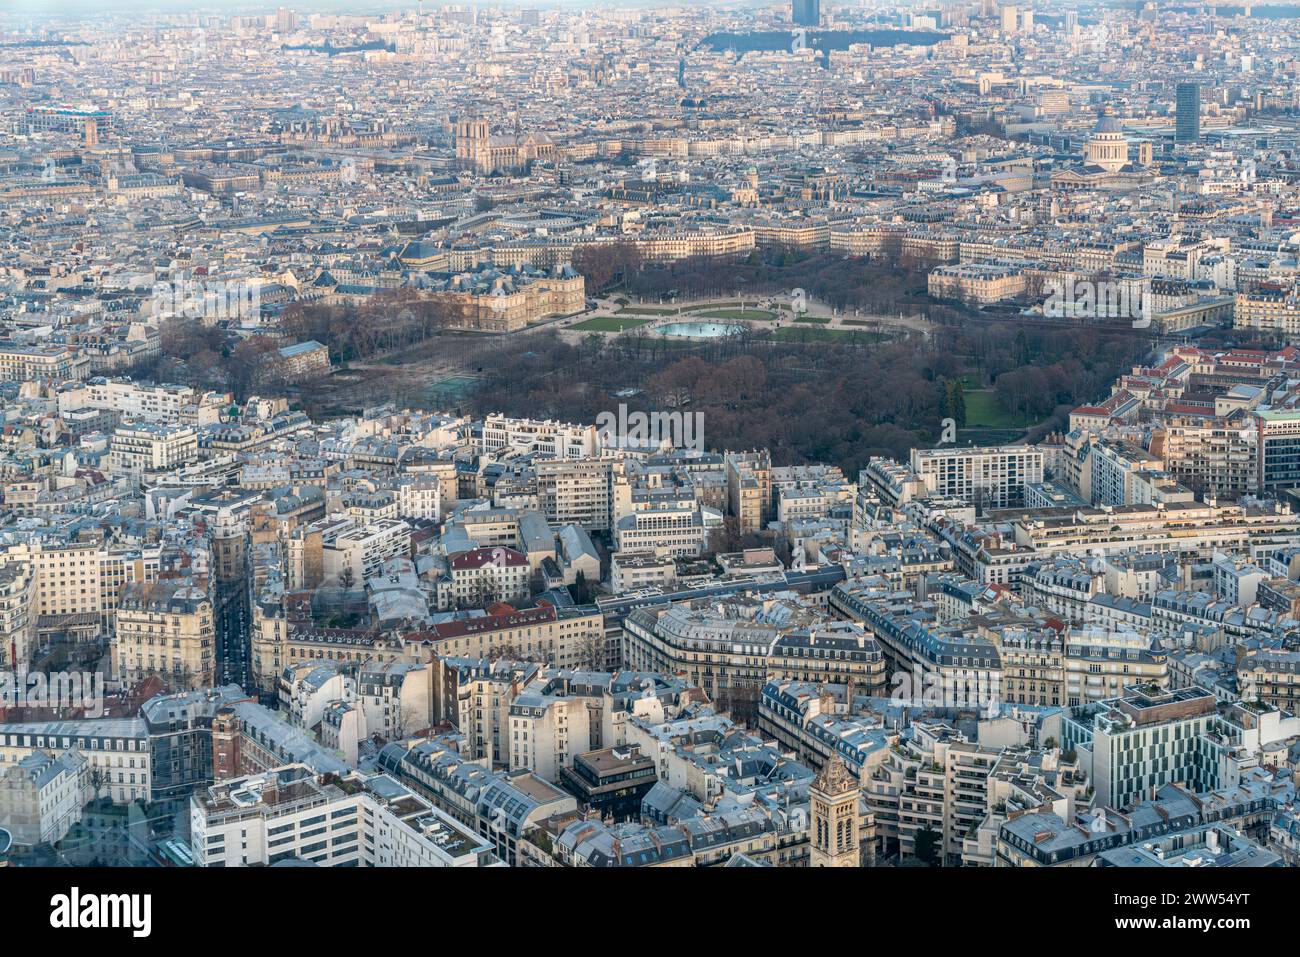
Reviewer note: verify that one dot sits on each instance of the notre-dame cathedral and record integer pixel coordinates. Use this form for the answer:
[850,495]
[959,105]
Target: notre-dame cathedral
[478,149]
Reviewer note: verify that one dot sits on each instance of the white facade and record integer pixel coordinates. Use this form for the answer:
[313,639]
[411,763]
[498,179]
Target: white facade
[290,813]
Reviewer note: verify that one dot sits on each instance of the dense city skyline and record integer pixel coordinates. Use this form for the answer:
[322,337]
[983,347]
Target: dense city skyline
[557,435]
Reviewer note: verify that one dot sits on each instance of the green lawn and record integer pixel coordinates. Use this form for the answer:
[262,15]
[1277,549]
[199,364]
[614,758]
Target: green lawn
[649,310]
[761,315]
[609,324]
[982,409]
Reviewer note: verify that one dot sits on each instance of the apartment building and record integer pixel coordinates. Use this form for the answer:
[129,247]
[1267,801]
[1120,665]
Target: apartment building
[940,665]
[669,529]
[1212,456]
[1100,663]
[1134,744]
[632,571]
[549,727]
[504,809]
[688,243]
[292,813]
[1115,467]
[720,648]
[1268,307]
[482,576]
[17,614]
[166,629]
[419,498]
[1033,666]
[565,637]
[934,780]
[865,239]
[118,750]
[548,438]
[484,692]
[42,363]
[150,403]
[41,795]
[395,697]
[78,583]
[1271,676]
[351,553]
[992,476]
[143,450]
[749,489]
[1186,528]
[589,492]
[836,652]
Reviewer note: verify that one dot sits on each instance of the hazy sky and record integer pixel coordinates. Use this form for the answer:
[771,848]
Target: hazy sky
[56,8]
[23,13]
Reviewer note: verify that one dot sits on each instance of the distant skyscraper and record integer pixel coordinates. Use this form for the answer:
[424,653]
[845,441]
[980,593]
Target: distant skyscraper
[285,20]
[1010,20]
[806,13]
[1187,126]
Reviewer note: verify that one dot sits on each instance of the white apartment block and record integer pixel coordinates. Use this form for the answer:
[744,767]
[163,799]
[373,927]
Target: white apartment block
[1237,581]
[306,689]
[292,813]
[141,449]
[360,552]
[1115,467]
[588,492]
[546,731]
[996,476]
[396,698]
[631,571]
[151,403]
[560,440]
[83,578]
[664,530]
[419,498]
[50,363]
